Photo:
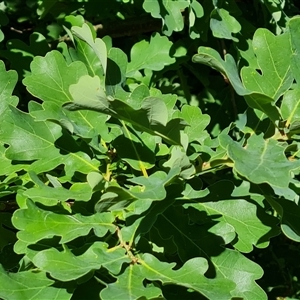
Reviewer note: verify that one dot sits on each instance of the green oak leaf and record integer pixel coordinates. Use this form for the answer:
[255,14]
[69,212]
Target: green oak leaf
[30,285]
[223,25]
[51,77]
[179,159]
[195,13]
[157,55]
[36,141]
[197,123]
[36,224]
[202,236]
[66,266]
[129,286]
[3,21]
[45,6]
[146,188]
[264,155]
[116,71]
[153,187]
[169,12]
[51,196]
[288,211]
[243,272]
[8,80]
[85,53]
[7,168]
[86,124]
[228,69]
[252,225]
[137,150]
[20,55]
[98,46]
[190,275]
[290,107]
[273,55]
[294,31]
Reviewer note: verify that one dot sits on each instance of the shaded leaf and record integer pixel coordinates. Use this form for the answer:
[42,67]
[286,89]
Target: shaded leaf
[252,225]
[228,68]
[169,11]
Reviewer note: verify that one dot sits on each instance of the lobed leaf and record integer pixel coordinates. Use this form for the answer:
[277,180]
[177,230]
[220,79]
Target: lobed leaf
[66,266]
[158,55]
[151,117]
[264,154]
[29,141]
[50,77]
[169,11]
[35,224]
[30,285]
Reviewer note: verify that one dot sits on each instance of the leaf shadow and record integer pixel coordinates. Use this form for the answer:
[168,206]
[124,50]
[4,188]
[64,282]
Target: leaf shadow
[113,73]
[130,149]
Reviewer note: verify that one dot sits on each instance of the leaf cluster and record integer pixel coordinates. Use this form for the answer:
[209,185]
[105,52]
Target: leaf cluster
[147,162]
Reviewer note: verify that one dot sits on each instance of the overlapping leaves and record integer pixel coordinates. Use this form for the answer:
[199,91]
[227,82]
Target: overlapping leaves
[112,192]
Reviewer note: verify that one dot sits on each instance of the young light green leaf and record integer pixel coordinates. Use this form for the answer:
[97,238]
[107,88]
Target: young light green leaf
[51,77]
[66,266]
[99,47]
[158,55]
[264,154]
[30,285]
[36,224]
[169,12]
